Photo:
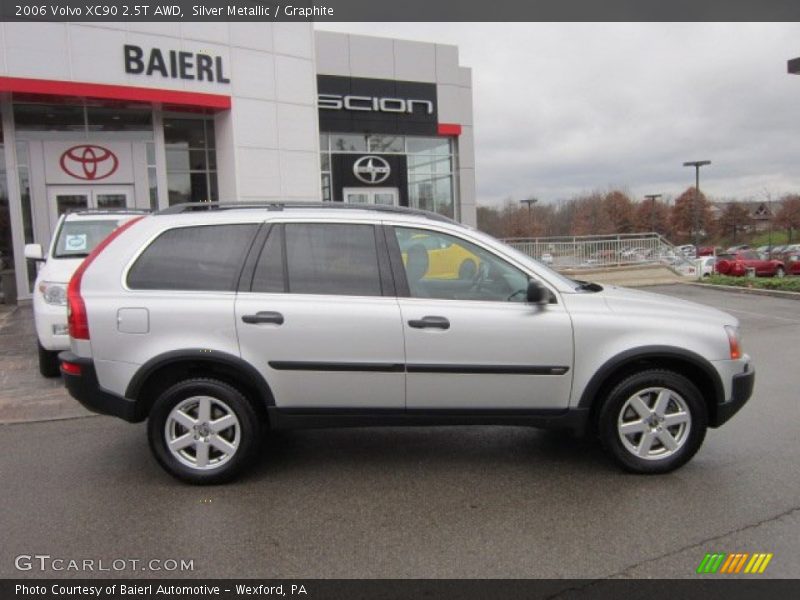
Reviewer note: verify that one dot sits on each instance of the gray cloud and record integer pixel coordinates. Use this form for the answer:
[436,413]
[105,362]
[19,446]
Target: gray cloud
[567,108]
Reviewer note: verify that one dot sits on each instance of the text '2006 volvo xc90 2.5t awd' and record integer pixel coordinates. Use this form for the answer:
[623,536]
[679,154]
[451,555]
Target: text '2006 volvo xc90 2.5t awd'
[217,322]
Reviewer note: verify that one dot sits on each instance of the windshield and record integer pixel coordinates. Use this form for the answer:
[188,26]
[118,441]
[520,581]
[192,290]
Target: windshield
[76,239]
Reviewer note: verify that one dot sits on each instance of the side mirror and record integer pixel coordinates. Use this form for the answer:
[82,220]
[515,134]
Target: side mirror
[34,252]
[537,293]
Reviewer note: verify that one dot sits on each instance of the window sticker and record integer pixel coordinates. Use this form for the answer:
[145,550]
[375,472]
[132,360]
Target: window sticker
[76,242]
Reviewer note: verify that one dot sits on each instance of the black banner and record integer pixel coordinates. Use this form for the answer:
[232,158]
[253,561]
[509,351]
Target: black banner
[362,105]
[407,10]
[390,589]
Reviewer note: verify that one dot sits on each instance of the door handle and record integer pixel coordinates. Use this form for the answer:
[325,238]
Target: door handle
[266,316]
[430,323]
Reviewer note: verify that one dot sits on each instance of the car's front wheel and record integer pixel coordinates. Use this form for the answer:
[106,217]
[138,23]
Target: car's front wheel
[653,421]
[48,362]
[203,431]
[779,272]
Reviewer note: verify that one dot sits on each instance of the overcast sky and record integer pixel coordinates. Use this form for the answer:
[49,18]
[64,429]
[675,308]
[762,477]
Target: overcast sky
[562,109]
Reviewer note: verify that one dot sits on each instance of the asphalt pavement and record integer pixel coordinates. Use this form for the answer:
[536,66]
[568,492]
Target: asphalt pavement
[424,502]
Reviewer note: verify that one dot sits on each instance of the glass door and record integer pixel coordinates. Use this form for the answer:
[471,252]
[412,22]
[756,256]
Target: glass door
[66,198]
[363,195]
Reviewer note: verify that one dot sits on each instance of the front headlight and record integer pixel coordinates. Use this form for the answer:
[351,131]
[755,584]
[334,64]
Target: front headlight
[734,341]
[54,293]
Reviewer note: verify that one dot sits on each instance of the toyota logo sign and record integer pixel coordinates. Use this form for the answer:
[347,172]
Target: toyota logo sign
[89,162]
[371,169]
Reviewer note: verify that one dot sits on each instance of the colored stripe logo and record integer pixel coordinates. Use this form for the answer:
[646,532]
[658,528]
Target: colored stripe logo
[734,563]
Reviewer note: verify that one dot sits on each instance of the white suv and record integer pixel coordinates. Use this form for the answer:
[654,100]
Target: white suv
[77,233]
[216,322]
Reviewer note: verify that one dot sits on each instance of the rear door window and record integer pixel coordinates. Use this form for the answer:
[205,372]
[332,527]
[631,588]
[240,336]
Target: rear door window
[202,258]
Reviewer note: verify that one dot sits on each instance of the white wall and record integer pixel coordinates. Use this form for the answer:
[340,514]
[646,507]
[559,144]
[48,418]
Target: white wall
[268,144]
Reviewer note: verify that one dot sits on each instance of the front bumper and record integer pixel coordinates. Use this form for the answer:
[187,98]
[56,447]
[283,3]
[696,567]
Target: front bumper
[85,388]
[741,390]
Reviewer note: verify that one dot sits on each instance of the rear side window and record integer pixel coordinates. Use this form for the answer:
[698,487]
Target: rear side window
[205,258]
[329,258]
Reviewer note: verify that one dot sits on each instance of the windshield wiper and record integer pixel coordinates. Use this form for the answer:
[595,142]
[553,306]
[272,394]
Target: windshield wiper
[588,286]
[76,255]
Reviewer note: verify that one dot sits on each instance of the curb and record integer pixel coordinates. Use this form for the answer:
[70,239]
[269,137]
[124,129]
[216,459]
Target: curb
[751,291]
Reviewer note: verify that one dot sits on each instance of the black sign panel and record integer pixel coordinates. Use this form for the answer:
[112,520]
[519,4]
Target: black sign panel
[343,172]
[360,105]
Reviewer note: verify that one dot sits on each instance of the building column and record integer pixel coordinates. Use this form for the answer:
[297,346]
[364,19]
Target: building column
[14,196]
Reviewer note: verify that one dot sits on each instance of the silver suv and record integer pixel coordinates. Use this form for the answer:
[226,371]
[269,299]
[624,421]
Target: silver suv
[217,322]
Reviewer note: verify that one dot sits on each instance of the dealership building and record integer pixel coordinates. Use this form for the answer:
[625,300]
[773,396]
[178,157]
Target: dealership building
[147,115]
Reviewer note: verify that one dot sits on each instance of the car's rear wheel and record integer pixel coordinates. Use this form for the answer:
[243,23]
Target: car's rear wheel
[653,421]
[48,362]
[203,431]
[779,272]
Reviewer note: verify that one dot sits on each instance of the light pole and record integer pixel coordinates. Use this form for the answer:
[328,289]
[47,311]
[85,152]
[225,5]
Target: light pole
[652,198]
[696,164]
[530,202]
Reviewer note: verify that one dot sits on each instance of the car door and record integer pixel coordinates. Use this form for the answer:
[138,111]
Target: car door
[472,341]
[316,313]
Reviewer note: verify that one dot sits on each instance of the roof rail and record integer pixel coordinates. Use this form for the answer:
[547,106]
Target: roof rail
[106,211]
[187,207]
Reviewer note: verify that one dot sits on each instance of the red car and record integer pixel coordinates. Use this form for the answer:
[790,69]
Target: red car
[792,262]
[737,263]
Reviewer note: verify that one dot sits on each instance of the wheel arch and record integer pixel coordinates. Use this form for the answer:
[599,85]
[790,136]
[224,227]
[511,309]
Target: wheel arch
[684,362]
[163,371]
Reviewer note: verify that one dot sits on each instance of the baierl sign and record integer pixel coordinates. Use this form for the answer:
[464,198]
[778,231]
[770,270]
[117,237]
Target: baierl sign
[174,64]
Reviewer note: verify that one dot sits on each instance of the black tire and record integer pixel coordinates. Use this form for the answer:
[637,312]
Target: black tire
[49,365]
[615,402]
[249,432]
[780,272]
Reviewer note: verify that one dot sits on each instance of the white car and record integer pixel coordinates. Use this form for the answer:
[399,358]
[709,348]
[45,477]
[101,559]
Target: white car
[77,234]
[705,266]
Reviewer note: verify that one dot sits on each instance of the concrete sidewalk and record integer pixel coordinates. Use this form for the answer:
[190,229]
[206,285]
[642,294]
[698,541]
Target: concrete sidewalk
[24,394]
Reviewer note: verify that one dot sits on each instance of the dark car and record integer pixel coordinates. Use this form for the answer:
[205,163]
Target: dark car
[736,264]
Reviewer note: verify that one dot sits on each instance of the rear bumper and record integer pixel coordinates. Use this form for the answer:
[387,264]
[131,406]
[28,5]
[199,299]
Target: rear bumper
[85,388]
[741,390]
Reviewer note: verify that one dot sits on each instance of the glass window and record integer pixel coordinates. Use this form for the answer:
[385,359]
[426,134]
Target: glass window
[268,278]
[348,143]
[190,132]
[429,164]
[326,187]
[102,118]
[191,160]
[6,243]
[68,202]
[445,267]
[386,143]
[206,258]
[421,145]
[78,238]
[324,140]
[338,259]
[49,117]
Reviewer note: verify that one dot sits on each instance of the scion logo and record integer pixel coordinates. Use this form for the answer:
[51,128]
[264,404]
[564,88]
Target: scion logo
[371,169]
[734,563]
[89,162]
[375,104]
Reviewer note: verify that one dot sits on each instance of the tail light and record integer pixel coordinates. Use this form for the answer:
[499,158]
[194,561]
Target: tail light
[77,319]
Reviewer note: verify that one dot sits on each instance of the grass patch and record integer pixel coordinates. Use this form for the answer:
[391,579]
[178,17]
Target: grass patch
[785,284]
